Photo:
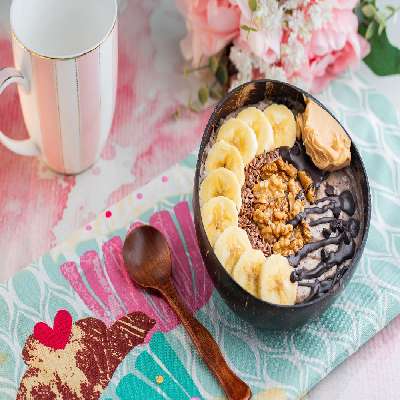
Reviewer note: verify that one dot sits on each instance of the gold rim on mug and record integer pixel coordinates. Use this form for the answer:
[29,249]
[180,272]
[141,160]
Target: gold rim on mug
[36,54]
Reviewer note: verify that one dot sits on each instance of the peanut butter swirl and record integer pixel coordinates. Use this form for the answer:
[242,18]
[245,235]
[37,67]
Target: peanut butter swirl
[324,139]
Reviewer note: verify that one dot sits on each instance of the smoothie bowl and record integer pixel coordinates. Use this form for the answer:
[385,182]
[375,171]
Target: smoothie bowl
[281,204]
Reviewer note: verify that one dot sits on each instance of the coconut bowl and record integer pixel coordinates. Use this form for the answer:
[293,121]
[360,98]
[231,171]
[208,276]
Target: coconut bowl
[257,312]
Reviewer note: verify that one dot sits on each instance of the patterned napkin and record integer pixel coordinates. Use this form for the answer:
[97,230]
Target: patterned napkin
[93,343]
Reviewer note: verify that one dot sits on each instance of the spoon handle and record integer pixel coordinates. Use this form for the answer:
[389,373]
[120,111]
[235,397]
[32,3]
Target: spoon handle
[234,387]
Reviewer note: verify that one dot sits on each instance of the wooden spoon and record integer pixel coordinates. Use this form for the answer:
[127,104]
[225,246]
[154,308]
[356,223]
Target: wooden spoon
[147,258]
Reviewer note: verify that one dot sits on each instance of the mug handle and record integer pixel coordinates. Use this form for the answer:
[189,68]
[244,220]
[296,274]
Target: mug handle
[25,147]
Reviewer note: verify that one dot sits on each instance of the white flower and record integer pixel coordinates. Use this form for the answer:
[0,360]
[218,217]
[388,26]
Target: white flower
[243,63]
[319,13]
[293,54]
[294,4]
[240,59]
[268,15]
[274,72]
[296,22]
[299,17]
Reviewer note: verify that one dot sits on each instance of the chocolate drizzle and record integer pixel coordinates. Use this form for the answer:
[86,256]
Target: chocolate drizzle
[298,157]
[347,231]
[345,251]
[320,288]
[344,202]
[341,233]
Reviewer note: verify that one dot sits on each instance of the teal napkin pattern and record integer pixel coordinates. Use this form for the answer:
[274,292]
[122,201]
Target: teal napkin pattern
[276,365]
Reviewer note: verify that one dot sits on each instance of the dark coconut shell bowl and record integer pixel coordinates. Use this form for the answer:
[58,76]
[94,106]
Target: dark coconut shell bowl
[259,313]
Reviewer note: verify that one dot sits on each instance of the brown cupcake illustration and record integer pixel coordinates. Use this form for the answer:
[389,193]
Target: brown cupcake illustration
[77,360]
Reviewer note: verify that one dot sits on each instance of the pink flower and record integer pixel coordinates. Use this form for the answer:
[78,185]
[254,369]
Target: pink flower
[264,43]
[211,25]
[345,4]
[336,46]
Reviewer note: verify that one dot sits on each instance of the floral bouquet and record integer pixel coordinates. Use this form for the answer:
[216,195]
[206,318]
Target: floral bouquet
[304,42]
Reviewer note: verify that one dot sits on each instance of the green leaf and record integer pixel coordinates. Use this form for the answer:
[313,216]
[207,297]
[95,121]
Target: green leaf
[213,63]
[253,5]
[248,28]
[391,9]
[222,75]
[203,95]
[380,18]
[371,30]
[384,58]
[216,93]
[381,28]
[368,10]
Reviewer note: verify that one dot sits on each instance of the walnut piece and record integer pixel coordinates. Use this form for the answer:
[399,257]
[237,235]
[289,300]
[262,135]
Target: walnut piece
[289,169]
[277,201]
[308,185]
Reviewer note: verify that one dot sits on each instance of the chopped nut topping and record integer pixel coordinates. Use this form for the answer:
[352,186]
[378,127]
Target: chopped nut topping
[304,179]
[310,195]
[276,201]
[282,246]
[308,185]
[294,187]
[306,231]
[288,169]
[246,221]
[269,169]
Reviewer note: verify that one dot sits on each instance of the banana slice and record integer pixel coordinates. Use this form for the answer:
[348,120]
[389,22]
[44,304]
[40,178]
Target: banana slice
[259,122]
[218,214]
[223,154]
[247,270]
[275,284]
[230,245]
[221,182]
[240,135]
[283,124]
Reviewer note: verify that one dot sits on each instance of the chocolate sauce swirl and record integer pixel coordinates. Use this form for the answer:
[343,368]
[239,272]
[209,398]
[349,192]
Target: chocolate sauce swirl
[344,202]
[341,232]
[297,156]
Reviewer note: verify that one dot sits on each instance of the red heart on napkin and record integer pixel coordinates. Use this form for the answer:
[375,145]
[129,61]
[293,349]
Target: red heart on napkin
[58,336]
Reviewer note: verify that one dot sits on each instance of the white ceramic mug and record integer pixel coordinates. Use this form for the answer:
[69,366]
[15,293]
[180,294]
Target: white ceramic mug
[65,55]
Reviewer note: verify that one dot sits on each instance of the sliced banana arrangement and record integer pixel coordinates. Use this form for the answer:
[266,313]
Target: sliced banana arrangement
[247,270]
[218,214]
[238,141]
[221,182]
[224,155]
[274,281]
[259,122]
[283,123]
[230,245]
[240,135]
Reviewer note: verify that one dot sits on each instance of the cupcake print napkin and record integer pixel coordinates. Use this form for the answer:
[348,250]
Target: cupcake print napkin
[73,326]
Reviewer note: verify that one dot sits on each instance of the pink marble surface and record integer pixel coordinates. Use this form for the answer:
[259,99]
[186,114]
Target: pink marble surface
[39,208]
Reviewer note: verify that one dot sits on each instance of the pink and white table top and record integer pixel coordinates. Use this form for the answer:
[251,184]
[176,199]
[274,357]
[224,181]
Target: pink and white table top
[39,208]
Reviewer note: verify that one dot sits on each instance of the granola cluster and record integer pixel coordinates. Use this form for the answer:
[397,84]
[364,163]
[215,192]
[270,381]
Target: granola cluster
[246,222]
[278,197]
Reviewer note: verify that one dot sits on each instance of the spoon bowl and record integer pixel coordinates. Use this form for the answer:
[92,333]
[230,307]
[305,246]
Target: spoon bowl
[148,256]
